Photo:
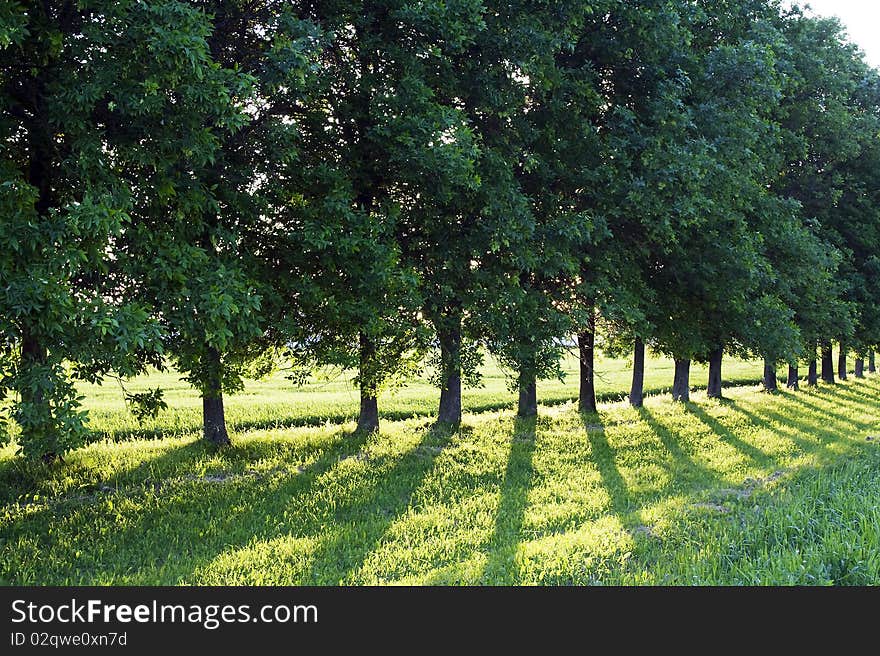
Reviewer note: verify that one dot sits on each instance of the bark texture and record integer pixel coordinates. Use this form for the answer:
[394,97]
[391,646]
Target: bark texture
[637,390]
[213,414]
[368,419]
[681,383]
[713,389]
[860,368]
[827,363]
[586,349]
[812,373]
[793,382]
[450,365]
[528,396]
[771,384]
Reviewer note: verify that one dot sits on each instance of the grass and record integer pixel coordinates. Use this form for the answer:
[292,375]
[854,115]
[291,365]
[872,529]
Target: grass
[755,489]
[278,403]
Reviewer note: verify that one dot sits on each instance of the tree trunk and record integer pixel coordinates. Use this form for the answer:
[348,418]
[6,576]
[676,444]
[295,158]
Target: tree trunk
[368,419]
[793,382]
[872,368]
[841,362]
[449,334]
[34,354]
[827,363]
[213,415]
[681,384]
[528,395]
[713,389]
[637,390]
[860,368]
[770,382]
[812,374]
[586,348]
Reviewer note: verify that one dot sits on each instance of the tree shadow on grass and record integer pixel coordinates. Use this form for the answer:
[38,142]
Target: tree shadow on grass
[150,533]
[858,396]
[604,457]
[501,566]
[727,436]
[20,478]
[850,395]
[374,509]
[792,427]
[828,413]
[683,463]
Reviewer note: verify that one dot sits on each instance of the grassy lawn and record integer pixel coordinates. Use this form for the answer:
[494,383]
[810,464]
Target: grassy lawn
[278,403]
[756,489]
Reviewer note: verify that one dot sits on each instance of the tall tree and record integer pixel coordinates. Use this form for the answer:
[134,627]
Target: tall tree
[201,240]
[80,110]
[379,139]
[553,131]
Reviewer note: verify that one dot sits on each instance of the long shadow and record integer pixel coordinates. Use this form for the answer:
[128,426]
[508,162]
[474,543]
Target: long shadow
[604,455]
[858,394]
[340,557]
[19,479]
[502,546]
[727,436]
[842,400]
[763,418]
[682,460]
[851,394]
[800,400]
[149,536]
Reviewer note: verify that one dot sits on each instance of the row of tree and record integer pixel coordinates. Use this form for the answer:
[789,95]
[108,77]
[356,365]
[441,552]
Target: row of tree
[230,184]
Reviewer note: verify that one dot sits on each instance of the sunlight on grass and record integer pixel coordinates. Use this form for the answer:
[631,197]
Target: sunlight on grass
[757,488]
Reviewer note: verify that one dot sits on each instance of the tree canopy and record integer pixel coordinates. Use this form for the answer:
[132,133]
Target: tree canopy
[227,187]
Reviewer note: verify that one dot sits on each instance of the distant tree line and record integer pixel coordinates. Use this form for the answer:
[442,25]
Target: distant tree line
[224,185]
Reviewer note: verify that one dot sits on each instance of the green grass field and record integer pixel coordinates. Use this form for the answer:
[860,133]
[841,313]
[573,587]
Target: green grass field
[755,489]
[333,399]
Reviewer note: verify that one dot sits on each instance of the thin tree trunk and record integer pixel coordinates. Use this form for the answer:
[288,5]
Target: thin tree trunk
[827,363]
[586,348]
[713,389]
[872,367]
[368,419]
[449,334]
[213,415]
[681,384]
[860,368]
[637,390]
[770,382]
[841,362]
[528,395]
[793,382]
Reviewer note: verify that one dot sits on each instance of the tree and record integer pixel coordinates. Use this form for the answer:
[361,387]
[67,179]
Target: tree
[466,239]
[709,271]
[635,52]
[822,137]
[79,110]
[197,245]
[379,139]
[556,150]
